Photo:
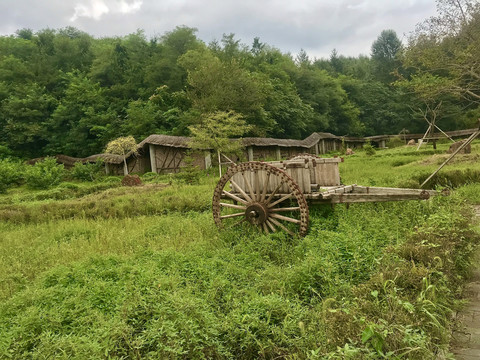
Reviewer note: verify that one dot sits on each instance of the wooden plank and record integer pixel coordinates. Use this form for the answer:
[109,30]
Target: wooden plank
[362,198]
[335,191]
[153,159]
[388,190]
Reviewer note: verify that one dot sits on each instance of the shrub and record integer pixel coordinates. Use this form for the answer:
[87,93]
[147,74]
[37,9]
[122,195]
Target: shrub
[88,171]
[44,174]
[395,142]
[150,177]
[369,149]
[11,173]
[190,173]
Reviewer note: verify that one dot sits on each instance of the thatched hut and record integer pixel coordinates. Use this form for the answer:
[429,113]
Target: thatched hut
[114,164]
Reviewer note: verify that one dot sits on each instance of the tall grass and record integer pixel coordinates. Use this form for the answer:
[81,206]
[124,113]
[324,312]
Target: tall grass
[144,273]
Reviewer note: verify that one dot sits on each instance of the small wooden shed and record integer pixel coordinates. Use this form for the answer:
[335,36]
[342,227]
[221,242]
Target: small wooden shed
[114,164]
[261,149]
[167,154]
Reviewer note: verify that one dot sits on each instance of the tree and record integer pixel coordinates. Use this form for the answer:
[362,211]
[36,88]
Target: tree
[385,52]
[122,146]
[216,132]
[214,86]
[447,47]
[83,121]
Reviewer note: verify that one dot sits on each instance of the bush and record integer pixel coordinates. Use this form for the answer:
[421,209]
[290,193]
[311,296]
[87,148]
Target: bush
[44,174]
[395,142]
[190,173]
[150,176]
[88,171]
[11,173]
[369,149]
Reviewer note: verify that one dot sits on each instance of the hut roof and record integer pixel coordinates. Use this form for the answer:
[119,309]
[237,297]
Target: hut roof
[167,140]
[61,159]
[254,141]
[108,158]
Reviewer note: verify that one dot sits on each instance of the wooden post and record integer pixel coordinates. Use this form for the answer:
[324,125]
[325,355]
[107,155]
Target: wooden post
[219,163]
[334,145]
[153,159]
[323,147]
[107,168]
[208,160]
[316,149]
[278,153]
[250,153]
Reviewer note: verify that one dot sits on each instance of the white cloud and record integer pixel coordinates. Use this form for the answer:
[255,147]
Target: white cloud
[126,8]
[95,9]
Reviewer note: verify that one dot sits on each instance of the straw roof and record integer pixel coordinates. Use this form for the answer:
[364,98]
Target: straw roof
[167,140]
[61,159]
[108,158]
[254,141]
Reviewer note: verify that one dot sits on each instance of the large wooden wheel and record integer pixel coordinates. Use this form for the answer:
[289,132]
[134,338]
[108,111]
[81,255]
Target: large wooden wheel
[261,195]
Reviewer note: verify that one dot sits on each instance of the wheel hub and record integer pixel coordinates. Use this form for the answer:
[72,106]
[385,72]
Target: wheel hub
[256,214]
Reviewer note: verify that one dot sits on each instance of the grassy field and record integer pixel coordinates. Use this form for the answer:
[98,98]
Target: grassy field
[96,270]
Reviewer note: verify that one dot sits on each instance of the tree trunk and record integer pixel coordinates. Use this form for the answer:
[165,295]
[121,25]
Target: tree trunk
[125,167]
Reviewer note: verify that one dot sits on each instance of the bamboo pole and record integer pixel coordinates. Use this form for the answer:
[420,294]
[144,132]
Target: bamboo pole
[467,142]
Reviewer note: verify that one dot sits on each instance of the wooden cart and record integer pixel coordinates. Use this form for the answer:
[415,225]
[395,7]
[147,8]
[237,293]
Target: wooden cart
[274,195]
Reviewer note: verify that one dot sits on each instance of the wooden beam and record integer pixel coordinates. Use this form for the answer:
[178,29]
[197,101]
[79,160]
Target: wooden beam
[361,198]
[460,148]
[338,190]
[153,159]
[250,153]
[277,153]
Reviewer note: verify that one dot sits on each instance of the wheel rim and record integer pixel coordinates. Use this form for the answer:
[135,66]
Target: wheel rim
[261,195]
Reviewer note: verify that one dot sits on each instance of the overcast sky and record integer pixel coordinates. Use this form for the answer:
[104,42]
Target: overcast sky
[318,26]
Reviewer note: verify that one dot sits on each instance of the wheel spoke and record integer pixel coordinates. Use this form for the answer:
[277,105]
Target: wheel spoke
[233,206]
[265,228]
[295,208]
[281,226]
[285,218]
[235,224]
[257,186]
[240,190]
[234,197]
[232,215]
[270,225]
[265,186]
[249,186]
[283,198]
[274,192]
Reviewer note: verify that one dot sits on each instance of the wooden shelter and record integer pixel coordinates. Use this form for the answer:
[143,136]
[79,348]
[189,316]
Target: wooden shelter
[114,164]
[167,154]
[68,162]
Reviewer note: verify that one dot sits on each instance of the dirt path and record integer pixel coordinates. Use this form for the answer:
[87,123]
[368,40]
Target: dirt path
[466,337]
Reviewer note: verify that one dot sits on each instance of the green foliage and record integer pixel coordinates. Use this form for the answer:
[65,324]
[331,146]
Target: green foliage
[88,171]
[122,146]
[394,142]
[369,149]
[385,55]
[190,173]
[216,130]
[44,174]
[11,173]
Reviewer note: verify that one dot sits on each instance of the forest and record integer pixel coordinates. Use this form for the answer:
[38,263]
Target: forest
[63,91]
